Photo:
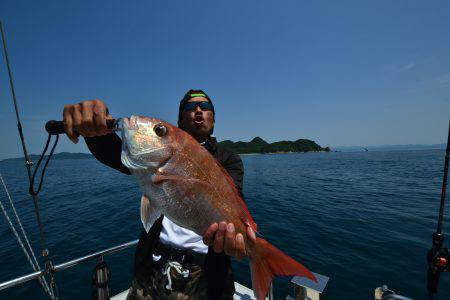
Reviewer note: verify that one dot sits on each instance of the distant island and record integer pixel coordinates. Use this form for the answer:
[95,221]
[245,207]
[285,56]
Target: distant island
[61,155]
[258,145]
[389,147]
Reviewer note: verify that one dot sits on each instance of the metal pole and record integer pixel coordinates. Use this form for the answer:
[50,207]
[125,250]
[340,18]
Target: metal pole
[22,279]
[67,264]
[111,250]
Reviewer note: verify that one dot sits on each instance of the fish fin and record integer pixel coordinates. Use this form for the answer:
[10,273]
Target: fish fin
[268,261]
[247,223]
[149,213]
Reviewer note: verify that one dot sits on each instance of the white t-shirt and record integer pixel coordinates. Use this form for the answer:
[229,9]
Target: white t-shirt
[179,237]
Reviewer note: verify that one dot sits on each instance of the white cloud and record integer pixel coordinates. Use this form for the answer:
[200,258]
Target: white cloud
[408,66]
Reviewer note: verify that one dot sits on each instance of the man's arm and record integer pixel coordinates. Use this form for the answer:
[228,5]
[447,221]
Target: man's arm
[234,166]
[107,150]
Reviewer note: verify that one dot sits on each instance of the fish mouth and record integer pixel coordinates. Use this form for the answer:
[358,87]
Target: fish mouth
[130,123]
[129,127]
[126,122]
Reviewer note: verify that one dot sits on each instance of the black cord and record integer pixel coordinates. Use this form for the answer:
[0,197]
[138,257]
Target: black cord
[36,168]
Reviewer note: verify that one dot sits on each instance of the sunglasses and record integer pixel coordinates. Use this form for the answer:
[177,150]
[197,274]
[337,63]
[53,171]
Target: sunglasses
[204,105]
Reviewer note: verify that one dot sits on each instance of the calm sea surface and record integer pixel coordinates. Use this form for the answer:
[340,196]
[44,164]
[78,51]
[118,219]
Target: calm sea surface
[362,219]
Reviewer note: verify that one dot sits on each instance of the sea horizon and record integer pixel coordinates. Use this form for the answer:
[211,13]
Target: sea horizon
[387,147]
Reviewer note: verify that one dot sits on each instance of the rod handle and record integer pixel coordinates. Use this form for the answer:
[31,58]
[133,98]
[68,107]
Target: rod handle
[57,127]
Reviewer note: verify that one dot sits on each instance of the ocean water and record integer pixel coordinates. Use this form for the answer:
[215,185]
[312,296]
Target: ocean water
[362,219]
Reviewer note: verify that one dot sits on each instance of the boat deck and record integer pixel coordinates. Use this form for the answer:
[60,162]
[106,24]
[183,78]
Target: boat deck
[242,293]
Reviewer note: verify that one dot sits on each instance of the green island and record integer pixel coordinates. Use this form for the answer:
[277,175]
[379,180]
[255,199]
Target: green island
[258,145]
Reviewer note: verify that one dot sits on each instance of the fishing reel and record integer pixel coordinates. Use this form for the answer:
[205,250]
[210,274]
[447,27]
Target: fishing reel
[441,260]
[438,261]
[439,257]
[439,264]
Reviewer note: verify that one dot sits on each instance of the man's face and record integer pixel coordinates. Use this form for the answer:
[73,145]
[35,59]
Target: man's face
[196,122]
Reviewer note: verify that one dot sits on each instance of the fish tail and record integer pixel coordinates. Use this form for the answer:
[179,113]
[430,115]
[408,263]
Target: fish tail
[266,261]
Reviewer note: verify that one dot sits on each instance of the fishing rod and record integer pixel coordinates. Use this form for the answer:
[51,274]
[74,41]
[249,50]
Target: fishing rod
[438,257]
[31,175]
[57,127]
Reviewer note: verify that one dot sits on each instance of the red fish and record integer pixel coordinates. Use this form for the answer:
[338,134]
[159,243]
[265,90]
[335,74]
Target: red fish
[183,181]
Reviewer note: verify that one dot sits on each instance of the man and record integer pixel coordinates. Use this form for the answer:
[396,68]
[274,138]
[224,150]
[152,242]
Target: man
[172,262]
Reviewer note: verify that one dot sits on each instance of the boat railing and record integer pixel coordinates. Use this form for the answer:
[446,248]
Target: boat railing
[66,265]
[304,289]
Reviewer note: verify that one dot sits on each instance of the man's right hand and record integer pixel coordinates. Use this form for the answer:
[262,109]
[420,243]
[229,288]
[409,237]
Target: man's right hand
[87,118]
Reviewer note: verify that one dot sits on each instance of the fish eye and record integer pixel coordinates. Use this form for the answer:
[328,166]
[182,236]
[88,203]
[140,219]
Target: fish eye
[160,130]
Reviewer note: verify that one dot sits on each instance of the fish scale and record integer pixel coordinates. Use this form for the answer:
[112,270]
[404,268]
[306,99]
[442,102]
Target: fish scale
[182,180]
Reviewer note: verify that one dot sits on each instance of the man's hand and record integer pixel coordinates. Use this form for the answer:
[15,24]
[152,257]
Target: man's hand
[223,237]
[87,118]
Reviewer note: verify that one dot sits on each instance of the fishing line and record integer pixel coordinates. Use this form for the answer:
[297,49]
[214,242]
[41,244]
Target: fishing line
[26,249]
[29,164]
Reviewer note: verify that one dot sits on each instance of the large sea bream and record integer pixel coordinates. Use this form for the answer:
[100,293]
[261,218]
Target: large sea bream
[182,180]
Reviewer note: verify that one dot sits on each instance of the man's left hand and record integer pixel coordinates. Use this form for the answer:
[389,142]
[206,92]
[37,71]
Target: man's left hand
[223,237]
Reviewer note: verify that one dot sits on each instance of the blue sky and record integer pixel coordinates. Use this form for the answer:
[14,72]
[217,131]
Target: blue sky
[338,72]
